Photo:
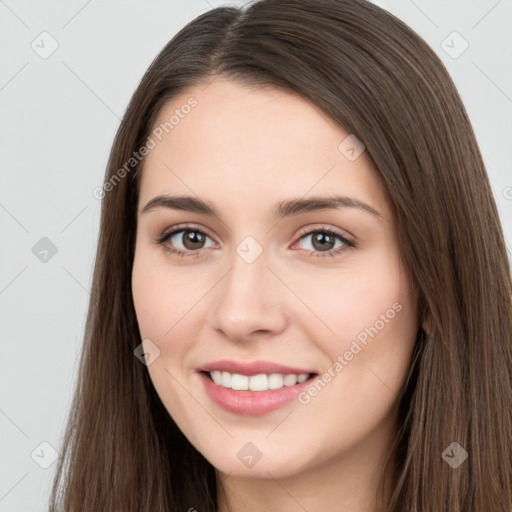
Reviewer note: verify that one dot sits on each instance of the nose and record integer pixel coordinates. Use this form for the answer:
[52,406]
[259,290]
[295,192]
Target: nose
[249,302]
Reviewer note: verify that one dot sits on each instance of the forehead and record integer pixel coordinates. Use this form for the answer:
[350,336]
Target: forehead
[228,140]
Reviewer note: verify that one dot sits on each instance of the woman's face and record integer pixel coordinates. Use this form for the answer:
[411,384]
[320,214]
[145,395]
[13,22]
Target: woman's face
[259,290]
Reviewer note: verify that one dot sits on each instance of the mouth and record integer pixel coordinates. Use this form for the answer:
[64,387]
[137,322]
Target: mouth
[258,383]
[254,395]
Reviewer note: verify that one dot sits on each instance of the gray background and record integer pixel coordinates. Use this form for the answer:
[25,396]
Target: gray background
[58,118]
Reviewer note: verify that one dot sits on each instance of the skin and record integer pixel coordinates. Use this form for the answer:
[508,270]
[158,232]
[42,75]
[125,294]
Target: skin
[245,150]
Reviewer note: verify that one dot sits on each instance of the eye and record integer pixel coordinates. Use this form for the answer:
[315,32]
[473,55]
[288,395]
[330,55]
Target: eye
[188,240]
[322,242]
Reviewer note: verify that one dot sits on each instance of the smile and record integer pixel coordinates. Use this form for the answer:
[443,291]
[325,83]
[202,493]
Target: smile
[260,382]
[257,388]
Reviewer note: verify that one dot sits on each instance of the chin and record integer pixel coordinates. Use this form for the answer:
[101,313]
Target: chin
[250,462]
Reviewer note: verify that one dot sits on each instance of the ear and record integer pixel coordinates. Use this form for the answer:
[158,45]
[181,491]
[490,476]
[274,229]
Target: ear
[426,324]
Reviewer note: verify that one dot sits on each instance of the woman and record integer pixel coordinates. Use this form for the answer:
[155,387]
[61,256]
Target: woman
[301,298]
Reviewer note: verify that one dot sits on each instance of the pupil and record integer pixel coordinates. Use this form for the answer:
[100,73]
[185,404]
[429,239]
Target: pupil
[193,240]
[321,239]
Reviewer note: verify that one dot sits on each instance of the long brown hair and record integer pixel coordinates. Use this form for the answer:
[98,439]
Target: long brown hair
[379,80]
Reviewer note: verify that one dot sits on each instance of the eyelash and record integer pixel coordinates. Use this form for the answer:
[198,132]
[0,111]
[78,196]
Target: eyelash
[164,237]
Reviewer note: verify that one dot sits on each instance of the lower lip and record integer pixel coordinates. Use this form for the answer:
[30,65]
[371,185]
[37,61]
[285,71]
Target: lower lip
[252,403]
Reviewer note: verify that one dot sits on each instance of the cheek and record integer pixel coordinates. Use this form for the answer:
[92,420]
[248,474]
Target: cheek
[369,323]
[163,303]
[349,299]
[170,306]
[375,321]
[161,295]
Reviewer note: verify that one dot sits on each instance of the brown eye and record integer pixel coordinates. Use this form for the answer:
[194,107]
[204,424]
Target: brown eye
[325,241]
[192,240]
[184,241]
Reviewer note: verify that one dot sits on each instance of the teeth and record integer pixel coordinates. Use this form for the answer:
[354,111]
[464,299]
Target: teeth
[258,382]
[226,380]
[290,380]
[275,381]
[239,381]
[261,382]
[216,377]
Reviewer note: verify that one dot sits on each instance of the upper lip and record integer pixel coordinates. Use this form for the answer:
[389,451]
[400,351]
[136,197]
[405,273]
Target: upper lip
[251,367]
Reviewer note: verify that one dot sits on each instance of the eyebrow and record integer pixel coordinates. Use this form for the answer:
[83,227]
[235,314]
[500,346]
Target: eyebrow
[284,209]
